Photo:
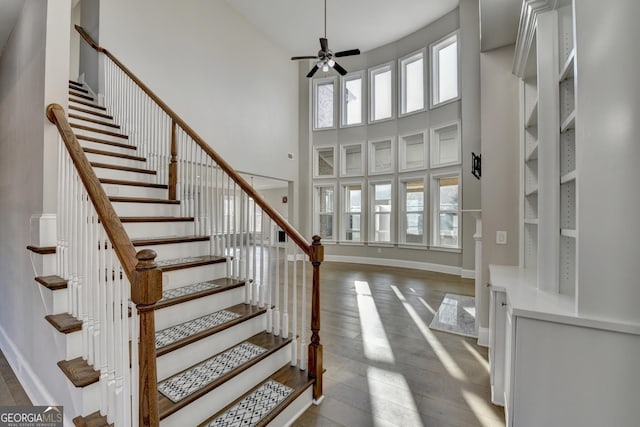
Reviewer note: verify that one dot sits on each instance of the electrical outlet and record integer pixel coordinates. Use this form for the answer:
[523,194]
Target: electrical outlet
[501,237]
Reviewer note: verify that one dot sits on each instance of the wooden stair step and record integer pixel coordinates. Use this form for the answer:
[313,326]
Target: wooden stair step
[169,240]
[197,290]
[78,88]
[130,219]
[189,262]
[112,154]
[95,113]
[104,141]
[52,282]
[96,121]
[132,183]
[178,336]
[247,354]
[42,250]
[142,200]
[81,95]
[123,168]
[265,401]
[96,130]
[92,420]
[79,372]
[64,322]
[88,104]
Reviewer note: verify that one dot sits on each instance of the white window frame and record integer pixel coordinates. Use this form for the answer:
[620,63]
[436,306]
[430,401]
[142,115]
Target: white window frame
[343,101]
[314,90]
[316,158]
[371,220]
[435,75]
[402,82]
[344,203]
[343,159]
[435,145]
[435,210]
[402,152]
[389,66]
[316,209]
[402,210]
[372,157]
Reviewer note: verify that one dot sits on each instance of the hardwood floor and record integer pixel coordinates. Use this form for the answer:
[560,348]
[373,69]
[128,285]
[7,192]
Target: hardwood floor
[384,366]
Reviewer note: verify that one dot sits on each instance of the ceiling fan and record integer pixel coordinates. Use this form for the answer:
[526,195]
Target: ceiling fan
[325,55]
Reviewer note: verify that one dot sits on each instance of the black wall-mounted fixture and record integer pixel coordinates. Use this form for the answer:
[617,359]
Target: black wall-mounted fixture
[476,165]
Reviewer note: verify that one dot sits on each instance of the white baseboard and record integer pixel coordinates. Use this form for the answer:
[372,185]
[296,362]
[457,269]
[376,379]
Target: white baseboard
[483,337]
[427,266]
[467,274]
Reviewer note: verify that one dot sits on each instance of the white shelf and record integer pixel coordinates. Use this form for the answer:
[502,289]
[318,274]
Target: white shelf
[532,117]
[532,221]
[569,122]
[568,232]
[568,67]
[571,176]
[532,154]
[531,192]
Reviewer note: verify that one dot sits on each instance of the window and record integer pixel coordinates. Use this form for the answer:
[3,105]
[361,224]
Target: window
[352,160]
[381,212]
[444,73]
[381,156]
[324,162]
[381,93]
[412,83]
[352,212]
[324,207]
[412,152]
[323,116]
[412,218]
[445,145]
[352,100]
[446,192]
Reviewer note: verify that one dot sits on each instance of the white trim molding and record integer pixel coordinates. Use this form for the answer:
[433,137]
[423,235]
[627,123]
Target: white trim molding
[467,274]
[400,263]
[526,31]
[483,336]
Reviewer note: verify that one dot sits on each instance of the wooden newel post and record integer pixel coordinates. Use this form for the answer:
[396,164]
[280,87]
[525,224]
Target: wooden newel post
[173,164]
[316,256]
[146,290]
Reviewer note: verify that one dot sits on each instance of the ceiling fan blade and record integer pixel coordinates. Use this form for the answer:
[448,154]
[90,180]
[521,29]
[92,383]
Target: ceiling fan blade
[312,72]
[347,53]
[293,58]
[324,44]
[339,69]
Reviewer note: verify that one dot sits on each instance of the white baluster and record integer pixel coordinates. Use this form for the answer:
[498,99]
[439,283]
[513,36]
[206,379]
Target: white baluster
[285,302]
[276,311]
[303,312]
[294,316]
[263,255]
[269,282]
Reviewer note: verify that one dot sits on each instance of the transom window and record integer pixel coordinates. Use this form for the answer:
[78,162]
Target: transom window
[381,93]
[352,104]
[323,103]
[444,73]
[412,83]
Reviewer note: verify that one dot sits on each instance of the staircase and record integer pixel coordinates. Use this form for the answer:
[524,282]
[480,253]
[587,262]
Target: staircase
[178,306]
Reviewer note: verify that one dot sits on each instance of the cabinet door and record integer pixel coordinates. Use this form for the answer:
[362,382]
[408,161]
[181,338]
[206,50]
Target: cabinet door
[497,347]
[508,365]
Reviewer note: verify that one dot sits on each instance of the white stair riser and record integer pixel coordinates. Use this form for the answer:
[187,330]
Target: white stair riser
[73,345]
[74,100]
[178,250]
[88,115]
[186,276]
[125,175]
[101,136]
[295,409]
[146,209]
[180,313]
[111,160]
[96,125]
[91,398]
[60,301]
[135,191]
[145,229]
[106,147]
[181,359]
[221,396]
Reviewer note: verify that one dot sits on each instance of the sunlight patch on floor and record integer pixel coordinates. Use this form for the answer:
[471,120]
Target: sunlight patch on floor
[481,360]
[383,383]
[482,410]
[374,338]
[427,306]
[447,361]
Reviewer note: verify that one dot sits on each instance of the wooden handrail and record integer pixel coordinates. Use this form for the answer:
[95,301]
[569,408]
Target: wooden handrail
[244,185]
[110,221]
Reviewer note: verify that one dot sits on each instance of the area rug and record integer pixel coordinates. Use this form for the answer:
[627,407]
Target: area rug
[457,315]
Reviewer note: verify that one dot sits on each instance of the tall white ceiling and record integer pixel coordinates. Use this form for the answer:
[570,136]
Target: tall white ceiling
[9,10]
[296,25]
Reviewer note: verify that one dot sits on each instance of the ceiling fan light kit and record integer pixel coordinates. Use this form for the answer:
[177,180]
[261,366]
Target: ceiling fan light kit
[324,58]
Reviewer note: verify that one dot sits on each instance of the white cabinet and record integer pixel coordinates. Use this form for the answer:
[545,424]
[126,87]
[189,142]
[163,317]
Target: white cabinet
[497,320]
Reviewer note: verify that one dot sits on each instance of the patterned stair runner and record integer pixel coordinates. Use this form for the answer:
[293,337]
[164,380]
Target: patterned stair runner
[181,385]
[184,330]
[188,290]
[254,407]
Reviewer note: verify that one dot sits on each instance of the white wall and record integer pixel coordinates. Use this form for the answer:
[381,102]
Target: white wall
[218,72]
[27,175]
[500,160]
